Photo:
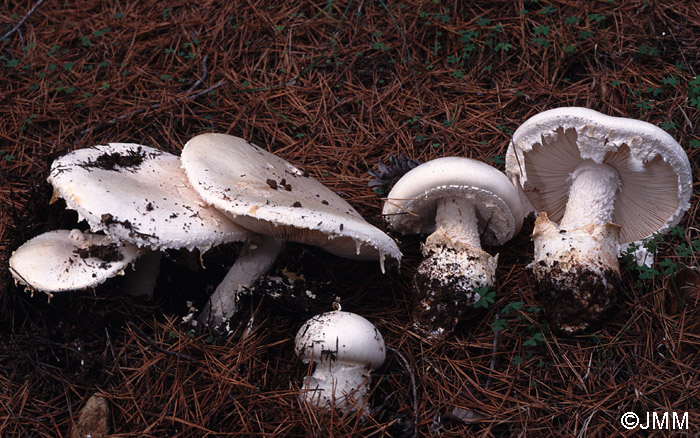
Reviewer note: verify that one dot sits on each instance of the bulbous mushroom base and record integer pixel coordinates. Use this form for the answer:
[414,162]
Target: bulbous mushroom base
[334,384]
[576,272]
[445,282]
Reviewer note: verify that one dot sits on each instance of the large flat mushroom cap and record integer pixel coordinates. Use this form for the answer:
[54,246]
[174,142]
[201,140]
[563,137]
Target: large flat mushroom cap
[266,194]
[64,260]
[654,171]
[139,195]
[412,203]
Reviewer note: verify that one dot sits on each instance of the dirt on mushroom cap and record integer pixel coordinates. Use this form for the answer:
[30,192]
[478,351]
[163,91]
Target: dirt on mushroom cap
[140,195]
[268,195]
[55,261]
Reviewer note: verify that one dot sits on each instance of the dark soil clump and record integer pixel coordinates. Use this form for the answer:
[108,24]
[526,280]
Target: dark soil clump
[580,304]
[440,303]
[115,160]
[106,253]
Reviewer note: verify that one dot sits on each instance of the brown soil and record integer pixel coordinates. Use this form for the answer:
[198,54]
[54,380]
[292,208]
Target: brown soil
[440,303]
[106,253]
[582,302]
[116,160]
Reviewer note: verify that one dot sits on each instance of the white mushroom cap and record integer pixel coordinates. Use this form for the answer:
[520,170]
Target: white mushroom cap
[266,194]
[139,195]
[655,175]
[65,260]
[341,337]
[412,203]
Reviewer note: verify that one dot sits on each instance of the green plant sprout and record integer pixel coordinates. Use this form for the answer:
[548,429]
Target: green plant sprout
[649,51]
[6,156]
[487,297]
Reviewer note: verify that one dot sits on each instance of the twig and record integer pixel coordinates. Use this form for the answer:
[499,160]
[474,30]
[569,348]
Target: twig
[157,347]
[21,22]
[584,428]
[492,366]
[201,79]
[687,119]
[21,41]
[8,409]
[199,93]
[108,342]
[407,367]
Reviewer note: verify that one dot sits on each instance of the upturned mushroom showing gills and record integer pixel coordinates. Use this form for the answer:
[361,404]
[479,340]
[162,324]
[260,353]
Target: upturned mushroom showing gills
[269,196]
[64,260]
[345,348]
[461,202]
[597,182]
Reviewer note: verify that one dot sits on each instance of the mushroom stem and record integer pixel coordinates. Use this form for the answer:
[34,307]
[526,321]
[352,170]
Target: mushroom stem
[257,257]
[142,280]
[576,266]
[454,265]
[591,195]
[456,218]
[333,382]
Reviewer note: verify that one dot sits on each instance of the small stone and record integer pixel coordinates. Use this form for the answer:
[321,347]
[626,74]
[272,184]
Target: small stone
[93,419]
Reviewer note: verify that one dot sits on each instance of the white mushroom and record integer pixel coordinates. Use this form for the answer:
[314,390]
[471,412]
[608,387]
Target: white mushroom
[139,195]
[345,348]
[64,260]
[267,195]
[460,201]
[606,181]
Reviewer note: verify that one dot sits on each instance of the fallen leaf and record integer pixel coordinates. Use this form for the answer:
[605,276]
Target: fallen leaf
[466,416]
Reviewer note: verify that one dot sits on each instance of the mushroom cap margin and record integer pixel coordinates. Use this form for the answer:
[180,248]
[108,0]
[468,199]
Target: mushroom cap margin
[655,173]
[245,182]
[411,204]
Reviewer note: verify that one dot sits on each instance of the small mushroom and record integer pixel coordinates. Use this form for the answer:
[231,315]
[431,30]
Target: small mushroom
[64,260]
[461,202]
[606,181]
[140,195]
[345,348]
[236,177]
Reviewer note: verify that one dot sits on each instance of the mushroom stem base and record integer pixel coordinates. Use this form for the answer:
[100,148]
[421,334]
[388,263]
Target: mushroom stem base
[445,283]
[339,385]
[576,272]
